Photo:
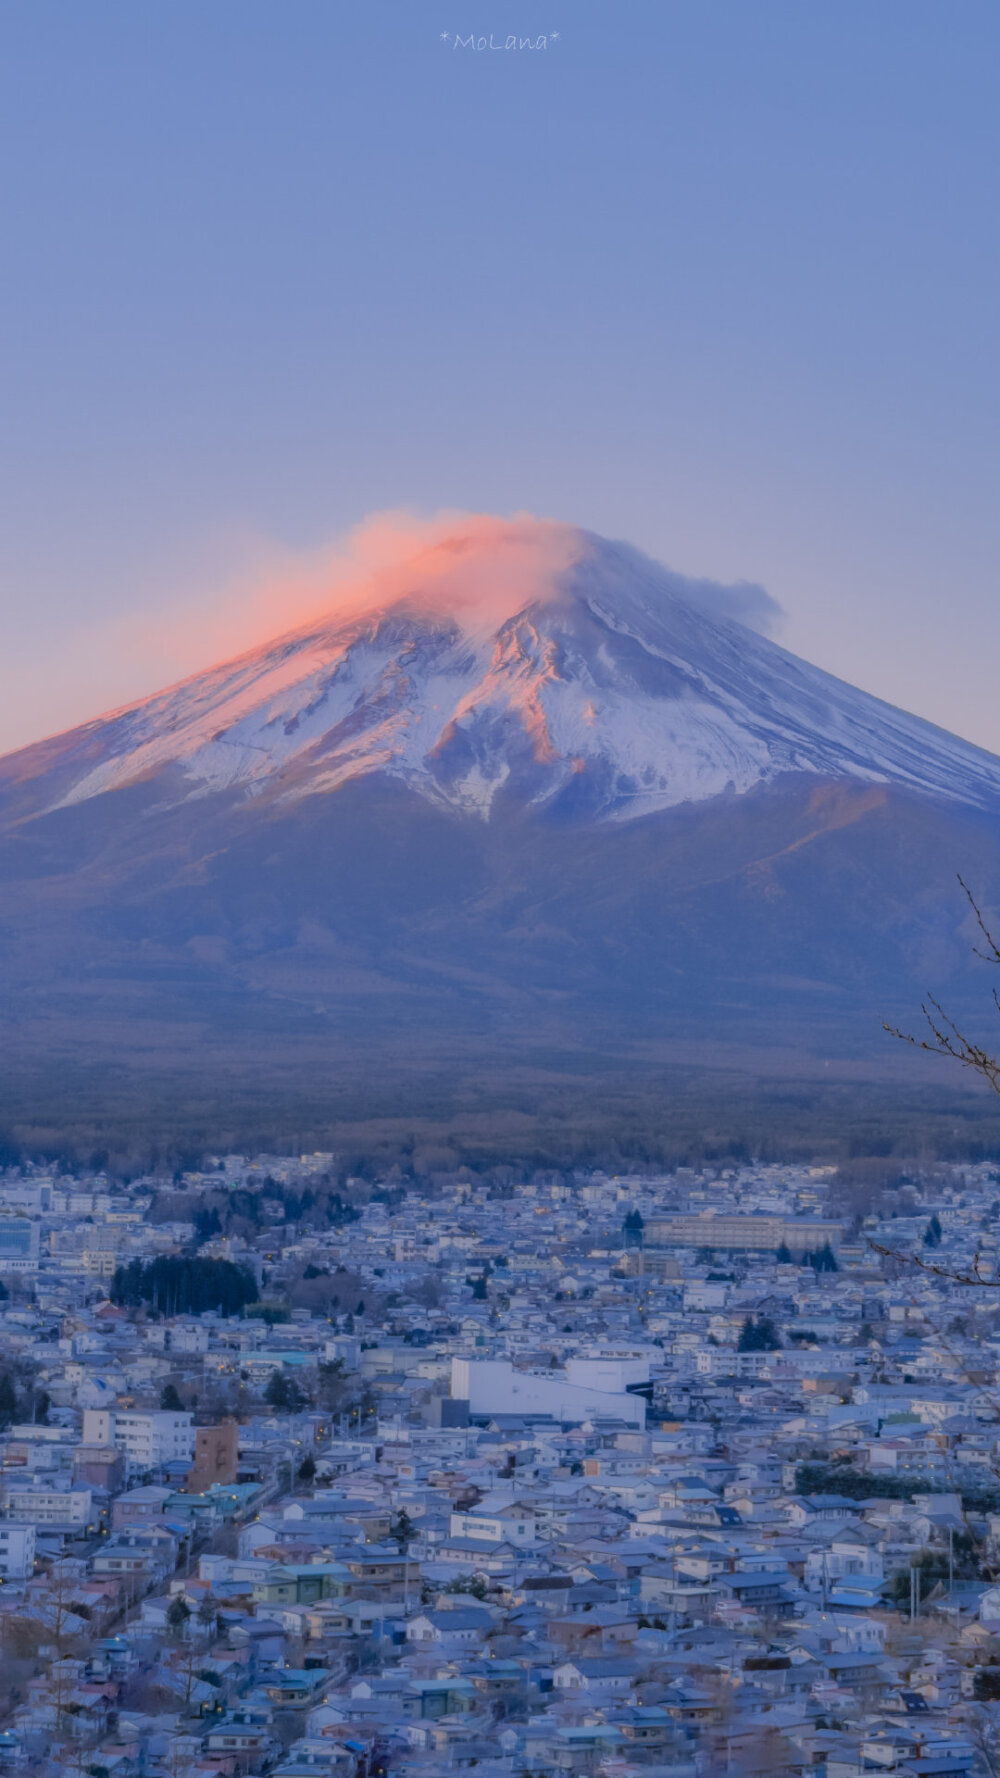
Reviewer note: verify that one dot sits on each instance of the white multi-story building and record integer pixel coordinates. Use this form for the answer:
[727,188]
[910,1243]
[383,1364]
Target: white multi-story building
[743,1234]
[149,1439]
[513,1523]
[82,1203]
[846,1558]
[65,1509]
[493,1386]
[17,1550]
[32,1195]
[609,1368]
[18,1244]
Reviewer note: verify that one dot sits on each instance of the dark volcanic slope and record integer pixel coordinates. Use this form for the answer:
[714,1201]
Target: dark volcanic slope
[369,931]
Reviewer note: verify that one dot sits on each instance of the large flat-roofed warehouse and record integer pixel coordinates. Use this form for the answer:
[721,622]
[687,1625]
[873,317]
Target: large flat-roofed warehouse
[800,1234]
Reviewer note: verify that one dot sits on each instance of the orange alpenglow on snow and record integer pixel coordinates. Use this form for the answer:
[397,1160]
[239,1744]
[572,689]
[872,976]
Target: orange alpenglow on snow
[477,657]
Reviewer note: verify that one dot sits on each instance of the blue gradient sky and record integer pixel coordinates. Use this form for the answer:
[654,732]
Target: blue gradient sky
[717,277]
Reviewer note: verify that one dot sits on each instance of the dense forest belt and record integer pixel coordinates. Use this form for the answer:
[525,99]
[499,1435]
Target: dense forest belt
[376,1110]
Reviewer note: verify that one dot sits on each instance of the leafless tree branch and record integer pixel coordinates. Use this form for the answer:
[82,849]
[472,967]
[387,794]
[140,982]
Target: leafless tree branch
[946,1039]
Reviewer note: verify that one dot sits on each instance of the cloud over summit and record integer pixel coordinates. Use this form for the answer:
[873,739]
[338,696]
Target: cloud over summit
[476,567]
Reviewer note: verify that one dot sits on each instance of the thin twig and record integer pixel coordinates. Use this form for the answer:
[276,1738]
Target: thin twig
[946,1038]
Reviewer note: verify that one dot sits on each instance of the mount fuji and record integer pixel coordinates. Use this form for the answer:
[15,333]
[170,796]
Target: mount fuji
[524,796]
[588,680]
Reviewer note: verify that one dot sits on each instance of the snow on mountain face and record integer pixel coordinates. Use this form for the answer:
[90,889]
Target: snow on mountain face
[600,678]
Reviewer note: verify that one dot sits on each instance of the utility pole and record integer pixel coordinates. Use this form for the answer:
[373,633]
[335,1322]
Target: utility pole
[951,1559]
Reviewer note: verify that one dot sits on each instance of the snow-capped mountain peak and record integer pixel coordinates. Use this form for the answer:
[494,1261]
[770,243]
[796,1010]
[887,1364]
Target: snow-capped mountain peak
[534,660]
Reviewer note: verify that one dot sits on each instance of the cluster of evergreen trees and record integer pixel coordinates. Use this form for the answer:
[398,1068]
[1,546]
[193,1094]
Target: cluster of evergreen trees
[758,1334]
[220,1213]
[170,1285]
[858,1484]
[283,1393]
[33,1405]
[822,1259]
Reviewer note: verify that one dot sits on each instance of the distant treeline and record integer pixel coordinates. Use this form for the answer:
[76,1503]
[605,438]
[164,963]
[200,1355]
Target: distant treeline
[856,1484]
[173,1286]
[647,1117]
[853,1484]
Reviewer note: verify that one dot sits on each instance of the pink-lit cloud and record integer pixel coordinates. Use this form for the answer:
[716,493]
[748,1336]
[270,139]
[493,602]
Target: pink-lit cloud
[476,566]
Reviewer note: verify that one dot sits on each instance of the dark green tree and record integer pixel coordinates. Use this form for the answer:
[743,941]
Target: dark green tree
[283,1393]
[822,1259]
[207,1223]
[402,1529]
[8,1401]
[170,1400]
[278,1390]
[632,1228]
[332,1385]
[758,1335]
